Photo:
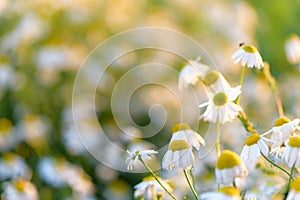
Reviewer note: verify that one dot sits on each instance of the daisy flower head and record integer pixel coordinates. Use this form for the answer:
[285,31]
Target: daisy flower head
[292,49]
[19,189]
[294,192]
[183,131]
[255,144]
[179,155]
[191,73]
[249,56]
[291,153]
[134,156]
[225,193]
[221,107]
[149,188]
[229,166]
[215,80]
[282,130]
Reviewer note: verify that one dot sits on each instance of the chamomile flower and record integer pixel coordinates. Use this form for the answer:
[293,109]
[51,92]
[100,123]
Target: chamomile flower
[291,153]
[255,144]
[294,192]
[292,49]
[282,130]
[183,131]
[149,188]
[19,189]
[133,157]
[215,81]
[179,155]
[225,193]
[229,166]
[191,73]
[249,56]
[221,107]
[13,166]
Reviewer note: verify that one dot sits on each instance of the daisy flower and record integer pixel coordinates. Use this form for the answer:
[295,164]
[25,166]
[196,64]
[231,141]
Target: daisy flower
[249,56]
[292,49]
[221,107]
[282,130]
[149,188]
[191,73]
[216,81]
[13,166]
[255,144]
[183,131]
[294,192]
[133,157]
[225,193]
[291,153]
[179,155]
[19,189]
[229,166]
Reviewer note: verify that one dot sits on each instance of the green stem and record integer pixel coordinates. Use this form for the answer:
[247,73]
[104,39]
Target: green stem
[272,163]
[291,176]
[192,188]
[218,142]
[243,74]
[193,178]
[157,179]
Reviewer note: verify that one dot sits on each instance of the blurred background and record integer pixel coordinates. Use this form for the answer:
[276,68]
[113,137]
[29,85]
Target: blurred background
[44,42]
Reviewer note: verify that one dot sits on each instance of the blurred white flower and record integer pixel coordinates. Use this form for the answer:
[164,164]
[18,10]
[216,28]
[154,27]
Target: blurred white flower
[249,56]
[183,131]
[225,193]
[229,166]
[35,129]
[221,107]
[179,155]
[255,144]
[118,190]
[19,189]
[291,153]
[282,130]
[9,137]
[191,73]
[294,192]
[51,170]
[7,76]
[216,81]
[149,188]
[292,49]
[13,166]
[133,157]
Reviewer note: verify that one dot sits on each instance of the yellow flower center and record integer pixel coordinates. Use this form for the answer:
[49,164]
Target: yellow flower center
[9,157]
[230,191]
[5,125]
[211,77]
[228,159]
[119,186]
[296,184]
[150,178]
[19,184]
[281,120]
[294,141]
[250,49]
[180,126]
[220,99]
[252,139]
[177,145]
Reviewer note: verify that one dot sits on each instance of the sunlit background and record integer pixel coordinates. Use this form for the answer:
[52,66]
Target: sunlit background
[44,42]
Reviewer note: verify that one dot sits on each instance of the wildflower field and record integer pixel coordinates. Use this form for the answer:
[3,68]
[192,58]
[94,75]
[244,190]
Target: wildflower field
[149,100]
